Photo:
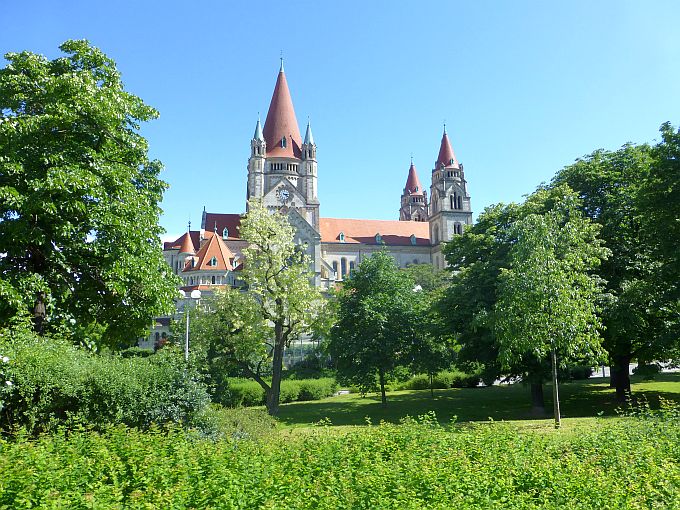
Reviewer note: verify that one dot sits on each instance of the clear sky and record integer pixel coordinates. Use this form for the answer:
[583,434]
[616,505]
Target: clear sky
[525,87]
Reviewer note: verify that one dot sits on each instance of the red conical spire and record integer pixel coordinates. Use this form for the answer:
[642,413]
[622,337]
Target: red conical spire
[281,130]
[413,186]
[446,155]
[186,244]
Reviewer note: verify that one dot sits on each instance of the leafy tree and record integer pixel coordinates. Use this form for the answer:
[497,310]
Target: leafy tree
[547,298]
[252,330]
[609,186]
[468,307]
[377,322]
[659,201]
[79,198]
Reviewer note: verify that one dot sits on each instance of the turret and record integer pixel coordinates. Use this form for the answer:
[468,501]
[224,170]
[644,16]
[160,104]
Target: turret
[413,199]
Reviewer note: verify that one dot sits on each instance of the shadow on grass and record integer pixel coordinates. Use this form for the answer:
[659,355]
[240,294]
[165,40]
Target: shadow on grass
[577,399]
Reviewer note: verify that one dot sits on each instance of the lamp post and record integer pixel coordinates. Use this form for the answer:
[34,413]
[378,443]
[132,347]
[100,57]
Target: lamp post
[195,294]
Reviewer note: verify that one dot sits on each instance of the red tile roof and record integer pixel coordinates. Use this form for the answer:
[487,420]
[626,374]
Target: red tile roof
[186,245]
[281,122]
[177,243]
[214,247]
[393,233]
[231,221]
[446,156]
[413,186]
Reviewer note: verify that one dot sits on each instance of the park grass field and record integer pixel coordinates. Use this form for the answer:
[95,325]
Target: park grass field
[581,402]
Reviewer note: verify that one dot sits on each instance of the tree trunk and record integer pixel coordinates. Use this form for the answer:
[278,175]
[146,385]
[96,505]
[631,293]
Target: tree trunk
[537,400]
[275,391]
[431,386]
[621,377]
[556,396]
[39,313]
[382,388]
[612,373]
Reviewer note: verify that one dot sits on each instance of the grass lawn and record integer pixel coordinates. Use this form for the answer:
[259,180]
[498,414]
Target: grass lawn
[581,399]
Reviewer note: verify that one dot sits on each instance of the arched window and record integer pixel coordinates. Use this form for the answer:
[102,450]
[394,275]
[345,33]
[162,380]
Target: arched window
[225,233]
[378,238]
[413,239]
[452,198]
[283,141]
[213,280]
[436,234]
[343,266]
[351,266]
[213,261]
[335,268]
[460,202]
[342,237]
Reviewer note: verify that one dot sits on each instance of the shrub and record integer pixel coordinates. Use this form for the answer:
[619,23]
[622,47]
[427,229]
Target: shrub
[245,393]
[316,389]
[289,391]
[647,371]
[217,422]
[56,383]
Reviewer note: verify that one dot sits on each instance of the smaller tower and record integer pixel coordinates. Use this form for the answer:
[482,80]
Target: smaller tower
[450,207]
[413,199]
[256,164]
[309,169]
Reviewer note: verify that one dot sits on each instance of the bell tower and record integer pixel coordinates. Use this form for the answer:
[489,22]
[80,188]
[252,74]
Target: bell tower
[413,199]
[450,207]
[256,165]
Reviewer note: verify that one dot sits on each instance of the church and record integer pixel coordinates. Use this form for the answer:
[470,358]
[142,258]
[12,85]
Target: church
[283,173]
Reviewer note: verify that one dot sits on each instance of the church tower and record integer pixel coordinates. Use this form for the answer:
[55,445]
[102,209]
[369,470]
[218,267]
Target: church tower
[449,200]
[413,199]
[282,170]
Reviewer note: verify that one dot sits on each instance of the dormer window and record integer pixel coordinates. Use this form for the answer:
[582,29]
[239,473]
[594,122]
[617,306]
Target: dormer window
[213,261]
[342,237]
[378,238]
[225,233]
[283,142]
[413,239]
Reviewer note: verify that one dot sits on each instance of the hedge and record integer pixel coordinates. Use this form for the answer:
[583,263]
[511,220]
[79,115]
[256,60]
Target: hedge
[244,392]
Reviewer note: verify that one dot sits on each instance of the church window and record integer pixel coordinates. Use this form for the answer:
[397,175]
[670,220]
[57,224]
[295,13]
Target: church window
[413,239]
[452,199]
[335,268]
[225,233]
[351,266]
[343,266]
[436,234]
[342,237]
[460,202]
[213,280]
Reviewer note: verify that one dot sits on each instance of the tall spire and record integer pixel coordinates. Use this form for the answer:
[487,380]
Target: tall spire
[281,130]
[258,131]
[309,139]
[413,186]
[446,156]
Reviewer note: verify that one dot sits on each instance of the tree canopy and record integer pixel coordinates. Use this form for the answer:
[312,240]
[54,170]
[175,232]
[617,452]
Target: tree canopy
[251,330]
[79,198]
[377,322]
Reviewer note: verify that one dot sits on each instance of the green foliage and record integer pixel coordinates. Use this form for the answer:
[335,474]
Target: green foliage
[618,463]
[79,199]
[442,380]
[249,393]
[56,383]
[217,423]
[378,321]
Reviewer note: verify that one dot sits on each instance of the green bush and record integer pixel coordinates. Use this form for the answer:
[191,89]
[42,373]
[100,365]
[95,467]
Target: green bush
[647,371]
[316,389]
[614,463]
[247,393]
[217,422]
[56,383]
[442,380]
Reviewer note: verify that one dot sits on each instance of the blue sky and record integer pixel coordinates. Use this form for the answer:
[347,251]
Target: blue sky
[525,87]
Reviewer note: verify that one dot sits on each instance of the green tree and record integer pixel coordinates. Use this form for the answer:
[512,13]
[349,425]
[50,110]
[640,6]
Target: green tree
[252,330]
[79,198]
[659,201]
[609,184]
[377,323]
[547,298]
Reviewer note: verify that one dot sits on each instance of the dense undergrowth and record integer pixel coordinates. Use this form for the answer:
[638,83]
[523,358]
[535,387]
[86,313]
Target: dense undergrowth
[630,462]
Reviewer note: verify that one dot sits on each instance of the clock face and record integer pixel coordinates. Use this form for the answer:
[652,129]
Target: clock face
[283,195]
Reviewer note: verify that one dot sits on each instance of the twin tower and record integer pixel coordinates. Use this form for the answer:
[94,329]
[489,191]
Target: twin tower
[282,173]
[449,206]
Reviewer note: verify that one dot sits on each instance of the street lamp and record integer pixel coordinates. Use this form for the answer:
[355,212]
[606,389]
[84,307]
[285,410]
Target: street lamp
[195,294]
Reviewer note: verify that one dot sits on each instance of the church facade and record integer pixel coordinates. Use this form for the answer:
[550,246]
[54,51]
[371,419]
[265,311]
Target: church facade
[283,174]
